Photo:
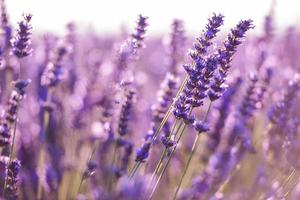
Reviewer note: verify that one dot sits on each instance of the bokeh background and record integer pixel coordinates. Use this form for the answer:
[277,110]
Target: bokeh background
[109,15]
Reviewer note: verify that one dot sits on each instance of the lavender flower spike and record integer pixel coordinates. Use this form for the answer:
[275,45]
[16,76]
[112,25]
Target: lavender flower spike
[190,97]
[225,56]
[52,74]
[125,112]
[211,30]
[21,42]
[127,146]
[214,136]
[129,49]
[175,46]
[140,30]
[10,115]
[12,179]
[279,111]
[165,95]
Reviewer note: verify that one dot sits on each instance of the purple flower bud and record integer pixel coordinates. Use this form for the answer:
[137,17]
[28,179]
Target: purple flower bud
[140,30]
[125,112]
[20,85]
[143,152]
[21,42]
[200,127]
[53,73]
[225,56]
[13,169]
[167,142]
[214,137]
[211,29]
[177,42]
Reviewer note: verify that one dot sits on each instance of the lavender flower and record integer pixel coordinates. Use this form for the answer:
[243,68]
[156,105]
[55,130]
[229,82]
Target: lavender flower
[222,163]
[125,112]
[127,146]
[21,42]
[129,48]
[165,96]
[132,189]
[52,177]
[143,152]
[10,115]
[5,133]
[190,97]
[5,25]
[214,136]
[177,41]
[90,170]
[13,169]
[225,56]
[279,111]
[279,120]
[92,111]
[4,17]
[140,30]
[266,83]
[53,72]
[200,127]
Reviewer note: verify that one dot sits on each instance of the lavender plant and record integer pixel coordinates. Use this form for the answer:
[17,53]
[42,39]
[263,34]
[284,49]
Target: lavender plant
[225,125]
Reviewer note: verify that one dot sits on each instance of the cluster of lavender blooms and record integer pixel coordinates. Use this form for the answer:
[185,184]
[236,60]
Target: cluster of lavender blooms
[93,116]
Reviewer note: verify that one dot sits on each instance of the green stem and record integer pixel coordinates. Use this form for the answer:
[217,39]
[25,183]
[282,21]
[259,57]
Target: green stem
[194,149]
[168,113]
[42,153]
[158,166]
[166,165]
[88,161]
[134,169]
[187,165]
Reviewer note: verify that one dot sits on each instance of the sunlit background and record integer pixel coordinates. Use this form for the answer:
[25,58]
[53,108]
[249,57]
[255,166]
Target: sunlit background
[110,15]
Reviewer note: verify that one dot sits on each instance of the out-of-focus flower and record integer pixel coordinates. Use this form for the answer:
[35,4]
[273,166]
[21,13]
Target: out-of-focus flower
[53,72]
[21,42]
[13,169]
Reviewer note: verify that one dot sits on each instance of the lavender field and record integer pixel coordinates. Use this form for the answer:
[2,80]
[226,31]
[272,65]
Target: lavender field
[134,116]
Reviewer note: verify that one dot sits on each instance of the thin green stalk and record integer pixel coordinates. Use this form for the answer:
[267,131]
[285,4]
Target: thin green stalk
[164,154]
[111,175]
[158,166]
[170,108]
[221,188]
[8,72]
[286,181]
[291,188]
[42,153]
[194,149]
[95,145]
[187,165]
[168,113]
[134,169]
[166,165]
[8,79]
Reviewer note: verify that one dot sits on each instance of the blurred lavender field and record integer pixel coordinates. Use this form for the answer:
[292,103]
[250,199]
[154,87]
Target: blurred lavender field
[87,115]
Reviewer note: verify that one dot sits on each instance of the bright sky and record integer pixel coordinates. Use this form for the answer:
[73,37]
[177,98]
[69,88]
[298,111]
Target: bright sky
[108,15]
